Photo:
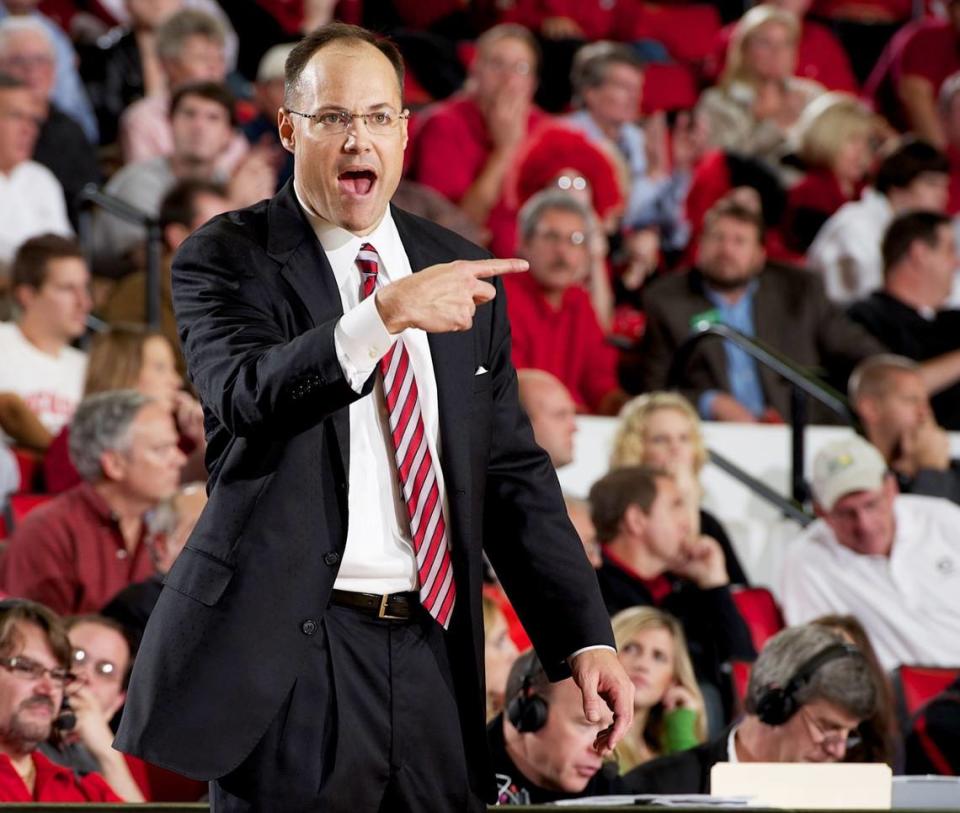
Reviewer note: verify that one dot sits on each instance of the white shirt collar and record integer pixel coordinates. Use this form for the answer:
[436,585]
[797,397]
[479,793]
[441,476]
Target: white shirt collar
[342,246]
[732,745]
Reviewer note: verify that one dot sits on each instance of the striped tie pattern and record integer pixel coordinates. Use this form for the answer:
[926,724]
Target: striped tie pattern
[415,466]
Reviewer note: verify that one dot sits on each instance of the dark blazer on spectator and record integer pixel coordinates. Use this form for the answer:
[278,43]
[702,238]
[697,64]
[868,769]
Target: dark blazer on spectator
[791,314]
[257,304]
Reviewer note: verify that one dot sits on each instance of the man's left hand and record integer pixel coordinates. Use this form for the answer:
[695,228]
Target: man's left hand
[602,679]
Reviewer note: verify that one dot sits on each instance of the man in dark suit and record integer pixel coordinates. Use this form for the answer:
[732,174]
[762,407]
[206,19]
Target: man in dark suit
[318,642]
[785,308]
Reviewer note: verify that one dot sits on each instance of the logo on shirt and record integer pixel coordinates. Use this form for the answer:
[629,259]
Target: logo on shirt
[945,566]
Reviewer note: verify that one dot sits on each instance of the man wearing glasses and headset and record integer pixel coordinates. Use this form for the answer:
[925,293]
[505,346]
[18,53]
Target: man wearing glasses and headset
[35,656]
[808,692]
[318,643]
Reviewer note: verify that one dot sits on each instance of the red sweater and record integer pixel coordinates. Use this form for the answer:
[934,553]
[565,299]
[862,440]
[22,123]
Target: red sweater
[567,342]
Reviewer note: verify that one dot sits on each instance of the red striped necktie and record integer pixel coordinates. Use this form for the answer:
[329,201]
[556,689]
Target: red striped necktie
[415,466]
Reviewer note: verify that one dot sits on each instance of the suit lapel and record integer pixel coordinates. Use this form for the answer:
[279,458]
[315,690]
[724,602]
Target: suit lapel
[304,266]
[453,356]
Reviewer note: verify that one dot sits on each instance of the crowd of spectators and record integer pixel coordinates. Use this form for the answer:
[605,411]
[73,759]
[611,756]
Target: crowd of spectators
[790,169]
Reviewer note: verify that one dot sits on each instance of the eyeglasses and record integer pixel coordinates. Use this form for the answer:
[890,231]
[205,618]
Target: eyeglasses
[103,668]
[575,182]
[830,741]
[337,122]
[29,669]
[555,238]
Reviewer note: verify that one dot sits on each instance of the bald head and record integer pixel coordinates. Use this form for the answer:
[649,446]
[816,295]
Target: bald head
[552,413]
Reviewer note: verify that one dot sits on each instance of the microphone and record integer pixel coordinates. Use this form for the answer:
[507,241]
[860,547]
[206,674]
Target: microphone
[66,719]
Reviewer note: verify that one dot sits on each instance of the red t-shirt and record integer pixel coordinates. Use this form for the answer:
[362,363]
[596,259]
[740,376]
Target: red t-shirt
[53,783]
[452,145]
[70,555]
[932,52]
[567,342]
[597,18]
[820,57]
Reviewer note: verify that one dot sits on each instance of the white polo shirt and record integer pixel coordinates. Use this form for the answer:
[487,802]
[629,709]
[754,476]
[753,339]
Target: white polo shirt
[909,602]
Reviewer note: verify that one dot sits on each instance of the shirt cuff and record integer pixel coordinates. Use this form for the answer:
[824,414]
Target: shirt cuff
[361,340]
[572,655]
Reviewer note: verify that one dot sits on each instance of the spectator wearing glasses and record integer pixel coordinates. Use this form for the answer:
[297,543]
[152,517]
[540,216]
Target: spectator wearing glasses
[35,656]
[79,550]
[553,323]
[808,693]
[100,663]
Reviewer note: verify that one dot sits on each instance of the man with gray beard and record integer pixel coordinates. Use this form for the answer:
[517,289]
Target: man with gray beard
[34,676]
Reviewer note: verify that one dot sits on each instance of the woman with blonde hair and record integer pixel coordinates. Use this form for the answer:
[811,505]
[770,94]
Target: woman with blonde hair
[134,357]
[759,97]
[835,140]
[661,430]
[668,708]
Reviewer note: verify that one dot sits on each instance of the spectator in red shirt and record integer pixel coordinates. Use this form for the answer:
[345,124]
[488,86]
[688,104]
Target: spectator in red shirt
[820,56]
[834,137]
[79,550]
[34,671]
[553,324]
[466,144]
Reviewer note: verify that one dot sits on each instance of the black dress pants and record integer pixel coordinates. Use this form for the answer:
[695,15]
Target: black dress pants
[370,725]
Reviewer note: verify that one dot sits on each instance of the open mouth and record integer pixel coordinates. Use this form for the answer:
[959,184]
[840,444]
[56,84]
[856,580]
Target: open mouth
[357,181]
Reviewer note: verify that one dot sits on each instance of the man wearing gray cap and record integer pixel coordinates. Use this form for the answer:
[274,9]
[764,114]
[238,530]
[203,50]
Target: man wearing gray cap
[891,560]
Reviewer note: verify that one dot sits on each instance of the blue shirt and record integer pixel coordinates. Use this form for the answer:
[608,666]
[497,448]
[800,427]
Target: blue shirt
[742,370]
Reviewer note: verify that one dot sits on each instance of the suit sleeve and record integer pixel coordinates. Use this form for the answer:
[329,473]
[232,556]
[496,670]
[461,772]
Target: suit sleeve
[527,535]
[254,378]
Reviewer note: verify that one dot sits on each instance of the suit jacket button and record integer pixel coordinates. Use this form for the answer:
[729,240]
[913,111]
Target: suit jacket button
[308,627]
[331,558]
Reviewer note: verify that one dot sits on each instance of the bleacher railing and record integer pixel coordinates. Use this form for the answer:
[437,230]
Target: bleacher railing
[804,385]
[93,197]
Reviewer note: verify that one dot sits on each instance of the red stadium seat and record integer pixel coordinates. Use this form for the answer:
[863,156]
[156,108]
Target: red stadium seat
[740,677]
[31,469]
[688,32]
[19,505]
[915,685]
[668,87]
[760,612]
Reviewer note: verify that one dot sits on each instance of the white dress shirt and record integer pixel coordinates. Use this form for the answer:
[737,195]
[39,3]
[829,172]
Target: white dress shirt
[379,556]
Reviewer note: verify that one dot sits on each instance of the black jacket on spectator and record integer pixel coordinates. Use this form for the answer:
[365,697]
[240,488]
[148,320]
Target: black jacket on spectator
[63,148]
[711,526]
[131,607]
[715,630]
[514,788]
[933,483]
[113,73]
[683,772]
[904,331]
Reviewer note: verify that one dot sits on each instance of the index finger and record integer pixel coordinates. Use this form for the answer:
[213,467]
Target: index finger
[484,269]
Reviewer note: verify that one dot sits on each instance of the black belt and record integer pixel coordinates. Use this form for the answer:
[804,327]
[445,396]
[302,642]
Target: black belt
[397,606]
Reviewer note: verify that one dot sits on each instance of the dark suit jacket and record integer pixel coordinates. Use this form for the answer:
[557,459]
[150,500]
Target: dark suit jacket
[791,314]
[257,305]
[682,772]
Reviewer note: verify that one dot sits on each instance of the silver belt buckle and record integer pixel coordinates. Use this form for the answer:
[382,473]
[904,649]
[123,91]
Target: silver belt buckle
[382,612]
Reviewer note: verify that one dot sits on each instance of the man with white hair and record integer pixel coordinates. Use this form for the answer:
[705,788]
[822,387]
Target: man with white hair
[76,552]
[27,53]
[891,560]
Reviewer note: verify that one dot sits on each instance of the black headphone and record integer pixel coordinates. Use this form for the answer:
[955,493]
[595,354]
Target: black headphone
[775,706]
[527,711]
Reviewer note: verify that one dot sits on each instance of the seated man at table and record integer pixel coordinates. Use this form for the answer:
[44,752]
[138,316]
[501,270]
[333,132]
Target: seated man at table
[807,694]
[542,745]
